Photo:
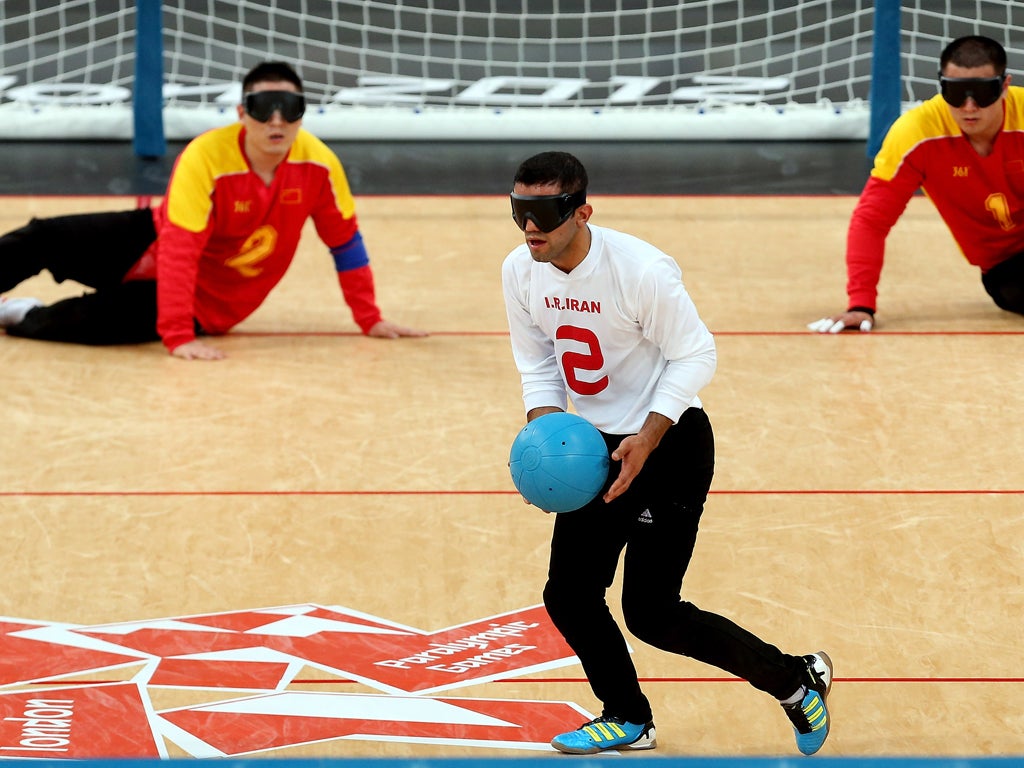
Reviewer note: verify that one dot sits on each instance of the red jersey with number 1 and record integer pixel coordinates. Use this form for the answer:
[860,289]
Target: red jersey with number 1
[981,199]
[225,238]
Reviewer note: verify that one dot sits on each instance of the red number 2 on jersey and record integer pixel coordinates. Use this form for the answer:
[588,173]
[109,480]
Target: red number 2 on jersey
[579,361]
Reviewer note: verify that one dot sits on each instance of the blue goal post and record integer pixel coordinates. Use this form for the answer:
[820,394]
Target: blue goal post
[147,99]
[886,73]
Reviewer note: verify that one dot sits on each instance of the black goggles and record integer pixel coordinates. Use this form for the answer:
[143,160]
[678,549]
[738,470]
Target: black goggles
[261,105]
[984,90]
[548,212]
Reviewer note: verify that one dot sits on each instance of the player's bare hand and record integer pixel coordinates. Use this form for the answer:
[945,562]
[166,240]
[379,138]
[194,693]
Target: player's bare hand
[632,452]
[198,350]
[388,330]
[847,321]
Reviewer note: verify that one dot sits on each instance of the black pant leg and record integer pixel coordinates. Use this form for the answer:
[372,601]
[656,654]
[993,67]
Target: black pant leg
[1005,284]
[672,489]
[120,314]
[585,549]
[94,249]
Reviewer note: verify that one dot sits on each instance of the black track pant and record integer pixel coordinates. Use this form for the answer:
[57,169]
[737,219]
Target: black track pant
[1005,284]
[96,250]
[656,522]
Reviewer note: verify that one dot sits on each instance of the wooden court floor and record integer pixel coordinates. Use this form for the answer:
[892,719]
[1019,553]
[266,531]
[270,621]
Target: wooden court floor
[867,498]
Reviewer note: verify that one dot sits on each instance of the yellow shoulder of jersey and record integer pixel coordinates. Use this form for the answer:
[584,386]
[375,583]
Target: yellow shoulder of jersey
[310,149]
[207,157]
[1014,109]
[217,151]
[928,120]
[932,120]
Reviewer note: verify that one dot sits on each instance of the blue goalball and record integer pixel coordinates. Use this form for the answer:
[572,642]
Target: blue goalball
[559,462]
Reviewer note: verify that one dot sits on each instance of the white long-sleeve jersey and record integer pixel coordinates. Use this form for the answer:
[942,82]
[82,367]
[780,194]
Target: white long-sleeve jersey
[619,336]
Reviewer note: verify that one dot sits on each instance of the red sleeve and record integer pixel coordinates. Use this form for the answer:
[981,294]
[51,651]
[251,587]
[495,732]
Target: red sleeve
[183,225]
[357,288]
[879,207]
[177,264]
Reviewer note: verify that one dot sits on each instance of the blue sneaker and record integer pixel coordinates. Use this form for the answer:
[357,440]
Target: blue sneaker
[606,733]
[810,716]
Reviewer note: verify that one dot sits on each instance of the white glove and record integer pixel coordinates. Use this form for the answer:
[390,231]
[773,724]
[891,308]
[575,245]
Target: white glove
[828,325]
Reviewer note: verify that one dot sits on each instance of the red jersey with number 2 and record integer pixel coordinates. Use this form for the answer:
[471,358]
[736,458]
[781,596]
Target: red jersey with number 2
[226,238]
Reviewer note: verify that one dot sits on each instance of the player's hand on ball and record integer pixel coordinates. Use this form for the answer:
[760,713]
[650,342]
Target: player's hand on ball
[853,320]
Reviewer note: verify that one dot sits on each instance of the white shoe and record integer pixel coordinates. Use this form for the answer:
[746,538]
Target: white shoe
[13,311]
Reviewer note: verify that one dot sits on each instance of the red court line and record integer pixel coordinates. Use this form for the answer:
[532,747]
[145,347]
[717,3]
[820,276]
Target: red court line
[566,680]
[740,680]
[809,334]
[378,492]
[872,333]
[873,492]
[340,334]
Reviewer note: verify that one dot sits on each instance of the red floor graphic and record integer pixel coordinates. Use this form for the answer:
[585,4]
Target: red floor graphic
[263,650]
[79,722]
[262,723]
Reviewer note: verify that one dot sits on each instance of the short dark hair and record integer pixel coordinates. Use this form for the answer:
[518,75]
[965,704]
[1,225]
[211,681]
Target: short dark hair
[560,168]
[271,72]
[974,51]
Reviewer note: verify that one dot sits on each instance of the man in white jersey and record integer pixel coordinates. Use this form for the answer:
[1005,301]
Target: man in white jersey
[602,318]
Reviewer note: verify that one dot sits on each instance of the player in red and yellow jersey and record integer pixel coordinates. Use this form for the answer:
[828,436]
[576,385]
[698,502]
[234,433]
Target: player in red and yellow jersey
[965,148]
[223,237]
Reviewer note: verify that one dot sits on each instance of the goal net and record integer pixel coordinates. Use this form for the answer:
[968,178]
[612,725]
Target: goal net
[483,69]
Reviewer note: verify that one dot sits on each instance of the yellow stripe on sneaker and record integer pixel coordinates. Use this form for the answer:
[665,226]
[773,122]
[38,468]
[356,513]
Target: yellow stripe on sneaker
[815,714]
[604,731]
